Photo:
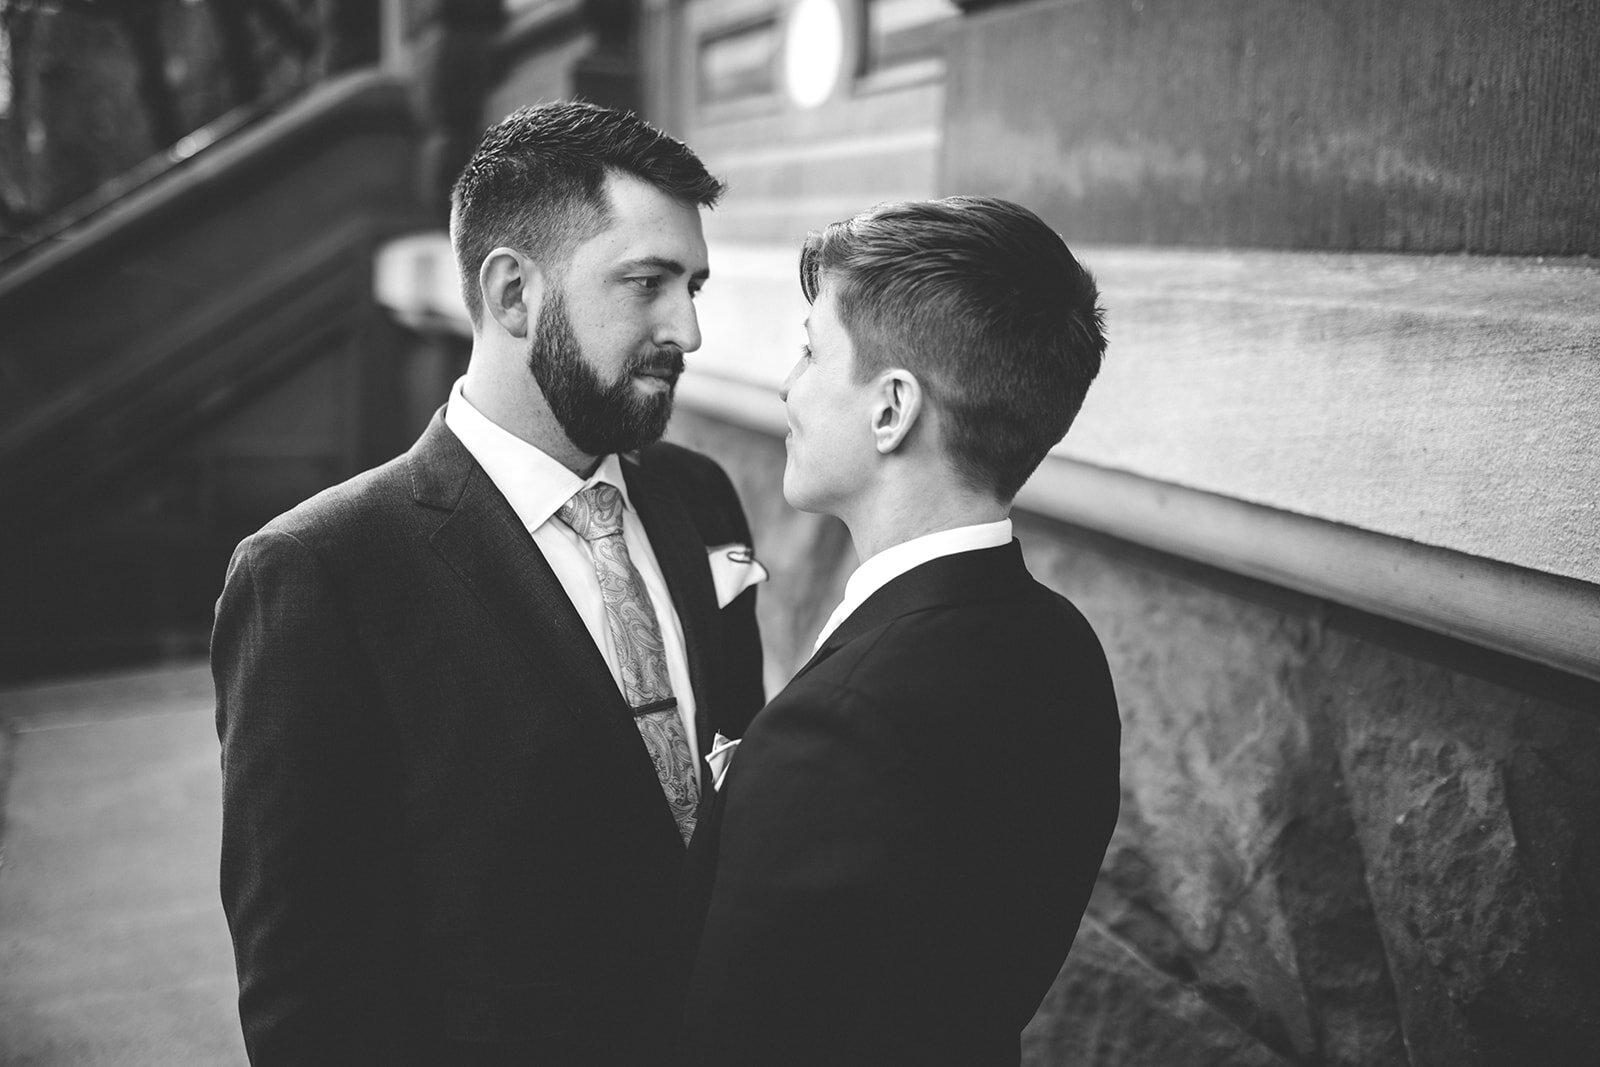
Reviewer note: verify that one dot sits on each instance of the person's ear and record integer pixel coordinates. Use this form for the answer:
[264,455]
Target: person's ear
[896,405]
[513,288]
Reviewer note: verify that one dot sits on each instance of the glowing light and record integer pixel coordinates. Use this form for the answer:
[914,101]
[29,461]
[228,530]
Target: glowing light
[813,51]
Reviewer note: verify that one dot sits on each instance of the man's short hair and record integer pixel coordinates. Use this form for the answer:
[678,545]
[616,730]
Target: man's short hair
[537,183]
[984,303]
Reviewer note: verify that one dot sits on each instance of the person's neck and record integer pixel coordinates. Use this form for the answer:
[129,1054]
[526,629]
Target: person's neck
[902,509]
[511,399]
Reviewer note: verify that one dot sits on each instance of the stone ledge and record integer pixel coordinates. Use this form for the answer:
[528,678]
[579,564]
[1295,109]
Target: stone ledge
[1447,400]
[1540,617]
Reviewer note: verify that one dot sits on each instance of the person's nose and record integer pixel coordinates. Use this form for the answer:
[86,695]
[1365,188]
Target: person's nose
[681,325]
[788,381]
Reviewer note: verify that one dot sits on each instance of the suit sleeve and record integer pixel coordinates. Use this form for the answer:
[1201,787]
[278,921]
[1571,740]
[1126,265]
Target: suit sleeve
[821,834]
[302,842]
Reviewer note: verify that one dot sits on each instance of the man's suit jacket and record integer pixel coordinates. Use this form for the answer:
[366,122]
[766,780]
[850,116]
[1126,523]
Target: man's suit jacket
[902,849]
[443,838]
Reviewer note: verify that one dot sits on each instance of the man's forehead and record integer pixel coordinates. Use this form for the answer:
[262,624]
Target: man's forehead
[824,309]
[627,195]
[648,227]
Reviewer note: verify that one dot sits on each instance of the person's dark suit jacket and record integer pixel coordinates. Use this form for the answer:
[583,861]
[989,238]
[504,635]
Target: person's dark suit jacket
[443,839]
[905,842]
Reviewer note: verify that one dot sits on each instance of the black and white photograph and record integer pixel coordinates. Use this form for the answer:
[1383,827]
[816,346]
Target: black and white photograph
[799,533]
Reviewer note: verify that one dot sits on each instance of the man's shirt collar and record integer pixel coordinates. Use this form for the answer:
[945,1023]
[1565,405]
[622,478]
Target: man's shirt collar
[535,484]
[894,561]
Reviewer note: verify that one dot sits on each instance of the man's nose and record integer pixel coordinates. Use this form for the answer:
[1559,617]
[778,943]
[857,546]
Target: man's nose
[680,326]
[788,381]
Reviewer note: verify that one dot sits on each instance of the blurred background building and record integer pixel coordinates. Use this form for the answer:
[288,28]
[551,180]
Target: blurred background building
[1331,506]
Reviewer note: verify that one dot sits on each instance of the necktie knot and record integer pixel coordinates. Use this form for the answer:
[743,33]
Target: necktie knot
[594,512]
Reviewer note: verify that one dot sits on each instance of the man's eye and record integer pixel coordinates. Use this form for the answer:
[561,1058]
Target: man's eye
[648,282]
[805,351]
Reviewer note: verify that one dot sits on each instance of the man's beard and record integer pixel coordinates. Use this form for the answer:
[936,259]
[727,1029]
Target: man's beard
[599,419]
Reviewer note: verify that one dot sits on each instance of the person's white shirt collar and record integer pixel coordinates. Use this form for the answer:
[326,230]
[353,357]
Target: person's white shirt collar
[535,484]
[892,562]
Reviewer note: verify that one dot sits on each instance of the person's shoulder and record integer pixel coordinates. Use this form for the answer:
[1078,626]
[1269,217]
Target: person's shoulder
[346,510]
[1020,634]
[1070,653]
[1059,610]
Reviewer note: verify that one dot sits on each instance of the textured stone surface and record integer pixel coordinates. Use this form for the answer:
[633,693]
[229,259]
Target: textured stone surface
[1479,811]
[1134,1013]
[1341,842]
[1235,835]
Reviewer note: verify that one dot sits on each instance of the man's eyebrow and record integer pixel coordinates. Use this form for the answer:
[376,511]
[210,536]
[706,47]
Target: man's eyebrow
[671,266]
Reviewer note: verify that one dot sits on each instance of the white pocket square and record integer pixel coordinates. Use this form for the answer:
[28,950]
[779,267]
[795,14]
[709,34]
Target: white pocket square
[734,568]
[720,757]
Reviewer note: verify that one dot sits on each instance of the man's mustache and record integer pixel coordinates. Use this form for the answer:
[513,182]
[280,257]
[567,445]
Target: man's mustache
[663,362]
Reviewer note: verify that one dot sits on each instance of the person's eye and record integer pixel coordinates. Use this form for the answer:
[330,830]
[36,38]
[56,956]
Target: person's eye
[648,283]
[805,352]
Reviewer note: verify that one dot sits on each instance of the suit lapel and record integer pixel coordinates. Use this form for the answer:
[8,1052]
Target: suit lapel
[682,556]
[488,547]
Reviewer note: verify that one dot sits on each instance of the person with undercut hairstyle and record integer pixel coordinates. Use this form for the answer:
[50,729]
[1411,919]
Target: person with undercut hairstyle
[464,698]
[895,864]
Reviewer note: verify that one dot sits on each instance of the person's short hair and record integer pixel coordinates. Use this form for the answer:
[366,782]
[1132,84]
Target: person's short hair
[984,303]
[537,183]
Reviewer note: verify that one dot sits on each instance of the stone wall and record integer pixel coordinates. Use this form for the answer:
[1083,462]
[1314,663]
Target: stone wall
[1342,841]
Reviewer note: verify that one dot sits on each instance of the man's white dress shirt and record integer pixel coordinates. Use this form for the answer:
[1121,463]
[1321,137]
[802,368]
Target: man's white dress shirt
[892,562]
[536,486]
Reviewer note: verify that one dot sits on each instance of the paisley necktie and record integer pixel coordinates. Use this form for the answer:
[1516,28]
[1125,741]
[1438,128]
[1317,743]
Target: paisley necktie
[595,514]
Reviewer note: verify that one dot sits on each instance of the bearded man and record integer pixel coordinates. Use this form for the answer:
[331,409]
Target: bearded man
[464,698]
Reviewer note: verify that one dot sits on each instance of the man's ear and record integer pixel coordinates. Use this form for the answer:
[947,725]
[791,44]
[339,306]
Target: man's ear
[895,408]
[513,289]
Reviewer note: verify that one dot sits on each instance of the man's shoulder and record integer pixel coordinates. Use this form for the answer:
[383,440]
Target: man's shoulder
[1012,680]
[1027,636]
[1060,612]
[346,510]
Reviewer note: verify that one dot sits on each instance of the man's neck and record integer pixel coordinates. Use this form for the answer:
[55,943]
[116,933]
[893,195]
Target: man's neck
[913,508]
[513,402]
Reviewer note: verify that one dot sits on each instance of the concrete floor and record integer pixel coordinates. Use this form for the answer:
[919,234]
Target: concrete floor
[113,947]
